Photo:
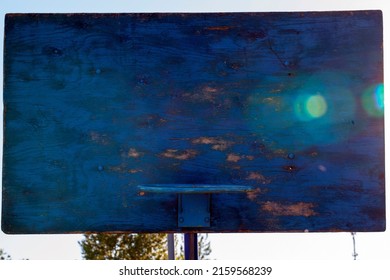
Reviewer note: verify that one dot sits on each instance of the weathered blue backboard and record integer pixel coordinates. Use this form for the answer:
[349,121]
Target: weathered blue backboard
[99,106]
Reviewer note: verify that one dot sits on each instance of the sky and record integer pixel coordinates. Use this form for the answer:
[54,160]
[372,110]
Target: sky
[275,246]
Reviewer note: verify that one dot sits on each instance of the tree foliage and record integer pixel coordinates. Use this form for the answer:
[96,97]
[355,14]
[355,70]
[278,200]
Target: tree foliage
[104,246]
[4,255]
[204,246]
[124,246]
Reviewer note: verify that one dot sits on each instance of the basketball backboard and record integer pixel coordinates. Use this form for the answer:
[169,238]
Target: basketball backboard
[113,121]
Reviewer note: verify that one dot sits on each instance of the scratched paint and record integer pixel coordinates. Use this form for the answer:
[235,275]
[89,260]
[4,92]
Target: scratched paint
[254,195]
[290,104]
[133,153]
[235,158]
[258,177]
[216,143]
[180,155]
[298,209]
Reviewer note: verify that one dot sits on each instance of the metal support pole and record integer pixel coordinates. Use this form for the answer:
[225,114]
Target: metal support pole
[171,246]
[191,246]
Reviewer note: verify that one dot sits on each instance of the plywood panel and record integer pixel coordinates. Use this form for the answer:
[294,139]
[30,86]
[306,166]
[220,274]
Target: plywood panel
[290,104]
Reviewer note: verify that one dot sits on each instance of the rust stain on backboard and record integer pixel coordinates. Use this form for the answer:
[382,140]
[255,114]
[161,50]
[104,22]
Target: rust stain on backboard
[180,155]
[133,153]
[235,158]
[298,209]
[218,28]
[217,143]
[258,177]
[253,195]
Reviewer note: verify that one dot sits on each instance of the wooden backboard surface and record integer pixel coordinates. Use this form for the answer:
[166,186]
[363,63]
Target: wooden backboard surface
[290,104]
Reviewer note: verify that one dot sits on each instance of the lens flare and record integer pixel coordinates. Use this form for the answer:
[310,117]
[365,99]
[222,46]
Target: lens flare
[310,107]
[313,110]
[373,101]
[316,106]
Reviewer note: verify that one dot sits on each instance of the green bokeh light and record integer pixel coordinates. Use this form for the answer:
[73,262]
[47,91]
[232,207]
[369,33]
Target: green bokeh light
[316,106]
[309,107]
[314,110]
[373,101]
